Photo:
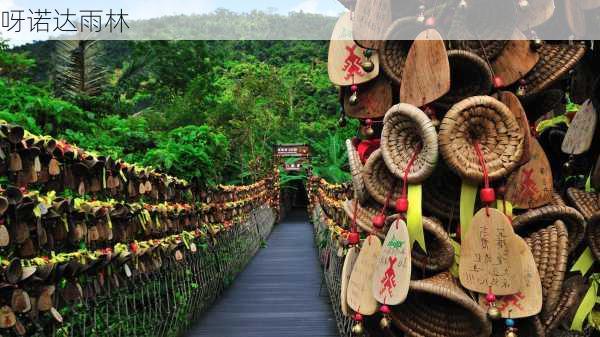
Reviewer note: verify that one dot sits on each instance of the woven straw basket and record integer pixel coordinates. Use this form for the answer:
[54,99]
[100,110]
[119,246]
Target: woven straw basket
[441,193]
[364,215]
[394,51]
[405,129]
[485,49]
[486,120]
[470,75]
[588,203]
[356,169]
[593,234]
[437,306]
[379,181]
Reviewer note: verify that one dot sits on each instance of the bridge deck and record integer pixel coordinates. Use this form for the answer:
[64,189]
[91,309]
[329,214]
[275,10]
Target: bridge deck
[278,293]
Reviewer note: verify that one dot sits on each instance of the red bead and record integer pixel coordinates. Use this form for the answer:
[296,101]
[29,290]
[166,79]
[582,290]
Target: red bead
[368,121]
[430,22]
[354,88]
[401,205]
[490,298]
[498,82]
[487,195]
[385,309]
[355,141]
[353,238]
[133,247]
[379,221]
[358,317]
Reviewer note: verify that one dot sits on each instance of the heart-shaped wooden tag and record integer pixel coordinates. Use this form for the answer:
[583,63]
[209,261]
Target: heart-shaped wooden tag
[372,19]
[346,58]
[4,236]
[7,317]
[531,185]
[534,14]
[360,297]
[512,102]
[44,302]
[349,261]
[391,278]
[581,131]
[516,59]
[528,301]
[15,163]
[54,167]
[374,99]
[575,17]
[488,257]
[426,75]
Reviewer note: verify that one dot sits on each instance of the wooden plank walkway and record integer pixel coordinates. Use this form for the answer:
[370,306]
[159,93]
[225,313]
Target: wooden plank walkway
[278,293]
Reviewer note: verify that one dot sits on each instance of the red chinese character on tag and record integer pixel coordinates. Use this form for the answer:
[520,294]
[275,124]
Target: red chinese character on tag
[352,63]
[389,279]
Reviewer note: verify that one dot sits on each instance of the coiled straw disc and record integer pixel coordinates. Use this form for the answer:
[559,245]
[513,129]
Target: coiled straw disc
[379,181]
[483,120]
[356,169]
[588,203]
[593,234]
[405,129]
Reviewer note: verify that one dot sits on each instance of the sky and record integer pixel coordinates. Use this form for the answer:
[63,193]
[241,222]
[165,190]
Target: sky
[145,9]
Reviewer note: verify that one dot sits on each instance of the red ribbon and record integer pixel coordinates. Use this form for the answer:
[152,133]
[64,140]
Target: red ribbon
[366,147]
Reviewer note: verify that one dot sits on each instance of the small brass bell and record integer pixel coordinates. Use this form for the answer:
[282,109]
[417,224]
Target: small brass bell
[568,167]
[368,131]
[342,121]
[358,329]
[493,312]
[536,44]
[384,323]
[368,66]
[353,100]
[511,334]
[368,52]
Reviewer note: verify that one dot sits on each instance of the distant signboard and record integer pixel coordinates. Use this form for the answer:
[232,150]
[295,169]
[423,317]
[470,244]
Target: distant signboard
[292,150]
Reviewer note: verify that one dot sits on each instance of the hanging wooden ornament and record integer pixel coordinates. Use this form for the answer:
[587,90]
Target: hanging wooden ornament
[531,185]
[488,263]
[534,14]
[514,104]
[516,59]
[15,162]
[391,278]
[528,301]
[346,58]
[581,131]
[420,87]
[7,317]
[4,236]
[373,99]
[349,261]
[360,297]
[372,19]
[575,17]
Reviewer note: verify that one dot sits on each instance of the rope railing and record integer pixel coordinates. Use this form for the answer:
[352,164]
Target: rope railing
[92,246]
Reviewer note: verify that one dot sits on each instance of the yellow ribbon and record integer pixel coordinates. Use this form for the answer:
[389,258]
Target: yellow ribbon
[414,216]
[586,306]
[548,123]
[454,267]
[584,262]
[468,194]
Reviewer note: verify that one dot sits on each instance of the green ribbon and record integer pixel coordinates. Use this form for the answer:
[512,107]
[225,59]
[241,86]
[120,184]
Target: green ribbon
[548,123]
[584,262]
[588,184]
[501,204]
[414,216]
[454,267]
[587,305]
[468,194]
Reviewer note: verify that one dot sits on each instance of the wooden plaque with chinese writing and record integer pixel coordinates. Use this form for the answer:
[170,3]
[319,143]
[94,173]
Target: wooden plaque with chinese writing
[531,185]
[346,271]
[512,102]
[489,258]
[391,278]
[426,75]
[534,14]
[516,59]
[360,297]
[372,19]
[374,99]
[345,57]
[528,301]
[581,130]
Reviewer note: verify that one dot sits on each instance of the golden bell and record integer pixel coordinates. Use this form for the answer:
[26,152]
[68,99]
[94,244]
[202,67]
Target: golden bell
[511,334]
[357,329]
[384,323]
[368,131]
[494,313]
[353,100]
[536,44]
[368,66]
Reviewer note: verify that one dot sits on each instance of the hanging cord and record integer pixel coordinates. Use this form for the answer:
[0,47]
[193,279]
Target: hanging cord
[402,202]
[486,178]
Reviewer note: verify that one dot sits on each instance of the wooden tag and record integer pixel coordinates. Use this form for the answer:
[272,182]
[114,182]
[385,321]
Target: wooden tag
[127,270]
[531,185]
[426,75]
[528,301]
[360,297]
[148,186]
[56,315]
[374,99]
[345,278]
[372,19]
[575,17]
[516,59]
[20,301]
[345,57]
[44,302]
[142,188]
[15,164]
[534,14]
[512,102]
[178,255]
[488,255]
[391,278]
[7,317]
[4,236]
[581,131]
[81,188]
